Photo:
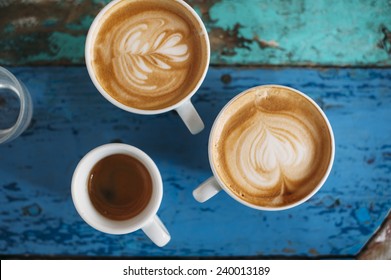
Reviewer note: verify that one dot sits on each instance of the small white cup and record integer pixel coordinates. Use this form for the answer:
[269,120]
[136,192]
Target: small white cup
[184,107]
[147,220]
[215,184]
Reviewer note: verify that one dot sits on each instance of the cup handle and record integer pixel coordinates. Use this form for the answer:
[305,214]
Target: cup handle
[190,117]
[157,232]
[207,190]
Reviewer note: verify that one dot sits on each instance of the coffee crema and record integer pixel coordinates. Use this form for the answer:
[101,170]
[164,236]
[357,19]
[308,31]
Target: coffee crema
[148,54]
[271,146]
[119,186]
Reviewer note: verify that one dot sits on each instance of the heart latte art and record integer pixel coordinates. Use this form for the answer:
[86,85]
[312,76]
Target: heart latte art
[149,54]
[271,147]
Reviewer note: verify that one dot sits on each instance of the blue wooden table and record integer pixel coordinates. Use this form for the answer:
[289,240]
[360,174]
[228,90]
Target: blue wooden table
[37,216]
[315,46]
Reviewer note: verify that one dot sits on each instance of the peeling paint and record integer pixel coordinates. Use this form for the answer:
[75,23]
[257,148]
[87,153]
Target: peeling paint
[313,252]
[251,33]
[289,250]
[204,6]
[362,215]
[379,247]
[226,42]
[45,32]
[266,44]
[385,43]
[226,78]
[25,22]
[32,210]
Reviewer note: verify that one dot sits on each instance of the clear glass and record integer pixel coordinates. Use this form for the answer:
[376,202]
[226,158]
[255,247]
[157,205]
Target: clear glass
[16,107]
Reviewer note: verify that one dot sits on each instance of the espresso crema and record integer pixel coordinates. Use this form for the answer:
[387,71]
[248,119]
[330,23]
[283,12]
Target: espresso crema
[148,54]
[271,146]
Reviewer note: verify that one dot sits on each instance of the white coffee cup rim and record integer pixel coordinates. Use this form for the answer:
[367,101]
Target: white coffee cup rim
[105,94]
[83,205]
[279,208]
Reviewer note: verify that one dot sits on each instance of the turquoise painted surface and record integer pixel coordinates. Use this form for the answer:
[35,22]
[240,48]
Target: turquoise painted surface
[304,32]
[251,32]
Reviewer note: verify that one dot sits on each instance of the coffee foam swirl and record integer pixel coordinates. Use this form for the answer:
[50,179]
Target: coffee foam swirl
[270,155]
[144,48]
[146,56]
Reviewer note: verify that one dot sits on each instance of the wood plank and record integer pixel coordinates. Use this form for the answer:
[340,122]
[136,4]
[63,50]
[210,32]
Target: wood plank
[253,32]
[379,247]
[70,118]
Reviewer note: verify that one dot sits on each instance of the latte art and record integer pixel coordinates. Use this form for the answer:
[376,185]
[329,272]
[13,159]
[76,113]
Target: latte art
[266,156]
[269,152]
[148,54]
[143,49]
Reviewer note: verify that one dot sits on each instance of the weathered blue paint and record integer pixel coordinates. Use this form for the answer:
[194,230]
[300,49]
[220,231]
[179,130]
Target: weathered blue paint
[37,215]
[250,32]
[301,32]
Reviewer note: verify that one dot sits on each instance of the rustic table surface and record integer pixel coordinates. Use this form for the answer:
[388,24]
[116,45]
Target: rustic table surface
[337,52]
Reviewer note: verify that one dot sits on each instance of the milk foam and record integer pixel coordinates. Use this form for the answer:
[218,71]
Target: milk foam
[143,47]
[269,151]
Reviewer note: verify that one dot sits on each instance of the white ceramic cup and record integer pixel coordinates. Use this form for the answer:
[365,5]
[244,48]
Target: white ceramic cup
[184,107]
[147,220]
[214,184]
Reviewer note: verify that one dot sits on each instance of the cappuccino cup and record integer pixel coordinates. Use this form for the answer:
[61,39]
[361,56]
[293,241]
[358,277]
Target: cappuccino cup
[118,189]
[149,57]
[270,148]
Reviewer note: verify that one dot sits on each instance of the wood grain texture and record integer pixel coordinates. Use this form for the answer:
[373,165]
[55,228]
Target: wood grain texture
[251,32]
[379,247]
[37,216]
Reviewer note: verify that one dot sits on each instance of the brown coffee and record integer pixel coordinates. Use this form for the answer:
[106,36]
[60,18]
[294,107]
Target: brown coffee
[119,187]
[149,54]
[271,146]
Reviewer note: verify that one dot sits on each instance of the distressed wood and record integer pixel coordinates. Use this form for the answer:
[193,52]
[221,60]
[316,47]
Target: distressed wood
[37,216]
[251,32]
[379,247]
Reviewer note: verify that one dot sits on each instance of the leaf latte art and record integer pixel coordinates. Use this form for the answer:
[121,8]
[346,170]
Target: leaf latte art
[269,152]
[145,55]
[143,49]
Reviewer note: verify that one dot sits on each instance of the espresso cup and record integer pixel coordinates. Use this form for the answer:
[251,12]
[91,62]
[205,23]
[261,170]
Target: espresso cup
[270,148]
[16,106]
[117,189]
[149,57]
